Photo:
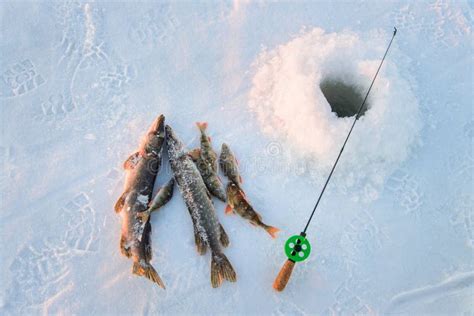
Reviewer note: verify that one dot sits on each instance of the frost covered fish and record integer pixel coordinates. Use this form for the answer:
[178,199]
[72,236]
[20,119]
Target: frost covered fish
[238,202]
[162,197]
[229,165]
[208,232]
[206,160]
[142,168]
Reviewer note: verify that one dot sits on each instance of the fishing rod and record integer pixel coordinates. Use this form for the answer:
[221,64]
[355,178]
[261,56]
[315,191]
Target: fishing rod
[297,247]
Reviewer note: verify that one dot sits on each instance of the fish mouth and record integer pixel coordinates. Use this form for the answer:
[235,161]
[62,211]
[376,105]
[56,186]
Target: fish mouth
[157,125]
[172,140]
[224,147]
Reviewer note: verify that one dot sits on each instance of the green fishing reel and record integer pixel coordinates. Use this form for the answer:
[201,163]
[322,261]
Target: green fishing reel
[297,248]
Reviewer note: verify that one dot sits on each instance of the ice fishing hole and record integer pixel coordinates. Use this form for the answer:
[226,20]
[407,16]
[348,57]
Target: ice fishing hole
[343,98]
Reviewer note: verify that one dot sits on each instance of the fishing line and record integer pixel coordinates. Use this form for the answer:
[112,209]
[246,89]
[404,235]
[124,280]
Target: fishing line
[349,134]
[297,247]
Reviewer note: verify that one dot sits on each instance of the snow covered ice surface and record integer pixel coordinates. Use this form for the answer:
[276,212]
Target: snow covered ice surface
[81,81]
[291,92]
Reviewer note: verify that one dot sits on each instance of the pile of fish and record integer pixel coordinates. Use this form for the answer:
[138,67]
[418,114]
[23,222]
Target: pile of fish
[196,175]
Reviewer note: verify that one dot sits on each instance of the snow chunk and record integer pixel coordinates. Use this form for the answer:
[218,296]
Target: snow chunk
[143,199]
[287,97]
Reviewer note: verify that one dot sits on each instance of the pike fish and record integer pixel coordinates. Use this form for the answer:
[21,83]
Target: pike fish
[206,161]
[237,200]
[142,168]
[208,232]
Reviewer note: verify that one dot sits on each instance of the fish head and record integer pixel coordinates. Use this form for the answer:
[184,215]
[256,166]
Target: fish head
[158,125]
[225,150]
[176,148]
[155,137]
[227,158]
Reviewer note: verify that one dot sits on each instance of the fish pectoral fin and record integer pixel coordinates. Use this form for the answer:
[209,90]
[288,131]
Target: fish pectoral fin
[195,154]
[225,242]
[124,249]
[228,209]
[120,202]
[200,244]
[131,161]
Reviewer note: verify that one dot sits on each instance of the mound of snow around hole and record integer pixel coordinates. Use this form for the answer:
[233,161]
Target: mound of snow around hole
[291,107]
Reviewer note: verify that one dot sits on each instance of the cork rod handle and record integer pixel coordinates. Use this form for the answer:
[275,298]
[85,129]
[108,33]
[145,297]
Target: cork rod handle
[284,276]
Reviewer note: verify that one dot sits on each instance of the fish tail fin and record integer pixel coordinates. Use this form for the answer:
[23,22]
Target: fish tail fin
[202,126]
[146,270]
[273,231]
[221,269]
[220,194]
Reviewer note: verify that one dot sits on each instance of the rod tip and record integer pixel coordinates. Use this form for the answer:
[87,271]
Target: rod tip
[394,31]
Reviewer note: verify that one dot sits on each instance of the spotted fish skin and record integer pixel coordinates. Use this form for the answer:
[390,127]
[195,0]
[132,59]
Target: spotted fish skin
[208,231]
[142,168]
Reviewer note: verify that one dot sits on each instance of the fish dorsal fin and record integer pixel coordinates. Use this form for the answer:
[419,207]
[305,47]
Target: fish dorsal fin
[224,238]
[132,161]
